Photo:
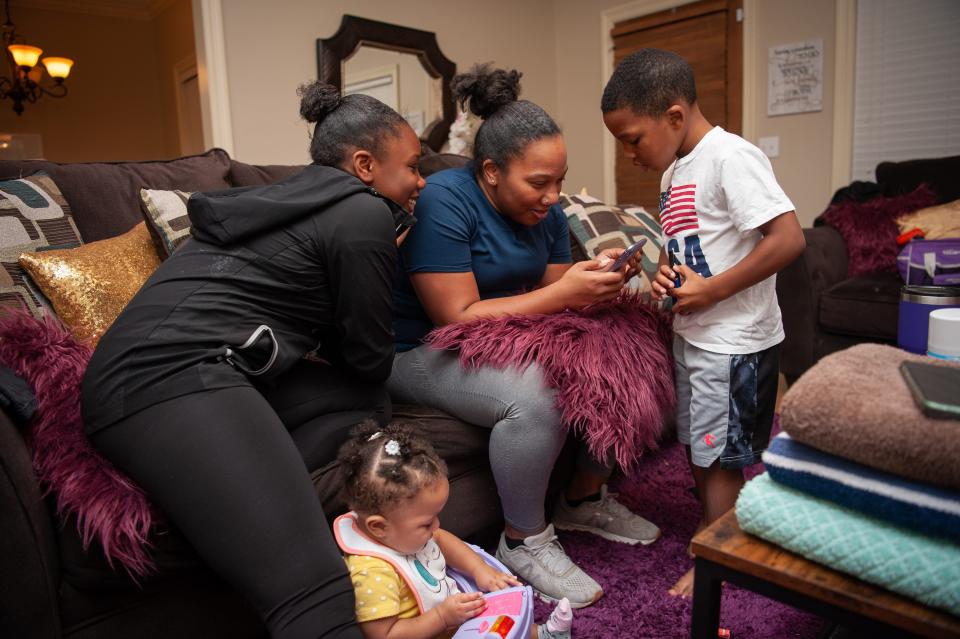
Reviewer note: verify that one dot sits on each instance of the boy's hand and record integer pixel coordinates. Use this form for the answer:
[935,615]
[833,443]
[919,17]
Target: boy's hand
[663,284]
[461,607]
[694,293]
[488,579]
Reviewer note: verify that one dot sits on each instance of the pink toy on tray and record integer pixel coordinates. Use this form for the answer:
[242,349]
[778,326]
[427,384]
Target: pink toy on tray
[509,612]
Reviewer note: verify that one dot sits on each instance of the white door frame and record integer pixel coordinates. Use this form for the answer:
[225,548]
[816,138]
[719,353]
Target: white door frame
[212,74]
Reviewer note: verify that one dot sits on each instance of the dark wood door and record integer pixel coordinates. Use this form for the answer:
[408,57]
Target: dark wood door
[709,35]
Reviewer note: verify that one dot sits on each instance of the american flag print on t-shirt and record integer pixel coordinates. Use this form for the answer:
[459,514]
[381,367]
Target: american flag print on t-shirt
[678,211]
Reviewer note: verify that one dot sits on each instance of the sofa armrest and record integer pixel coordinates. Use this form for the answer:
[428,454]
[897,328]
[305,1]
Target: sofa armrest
[29,568]
[799,286]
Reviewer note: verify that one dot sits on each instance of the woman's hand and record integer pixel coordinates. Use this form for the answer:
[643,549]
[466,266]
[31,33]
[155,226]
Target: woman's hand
[633,264]
[461,607]
[488,579]
[586,283]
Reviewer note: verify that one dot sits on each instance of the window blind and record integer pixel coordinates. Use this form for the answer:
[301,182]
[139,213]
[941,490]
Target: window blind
[907,92]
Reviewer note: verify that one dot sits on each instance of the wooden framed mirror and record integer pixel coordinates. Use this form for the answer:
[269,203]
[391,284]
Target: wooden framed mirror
[400,66]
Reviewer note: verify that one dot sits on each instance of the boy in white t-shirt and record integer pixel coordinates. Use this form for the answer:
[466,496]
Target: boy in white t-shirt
[728,228]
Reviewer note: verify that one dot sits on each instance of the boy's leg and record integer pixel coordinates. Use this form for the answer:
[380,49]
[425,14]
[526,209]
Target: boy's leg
[732,404]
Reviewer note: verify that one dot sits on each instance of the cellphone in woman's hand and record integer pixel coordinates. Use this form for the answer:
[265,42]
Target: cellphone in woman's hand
[628,252]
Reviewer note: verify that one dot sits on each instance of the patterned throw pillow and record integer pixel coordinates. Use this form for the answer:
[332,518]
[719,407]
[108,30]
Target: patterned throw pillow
[597,226]
[167,220]
[34,216]
[89,285]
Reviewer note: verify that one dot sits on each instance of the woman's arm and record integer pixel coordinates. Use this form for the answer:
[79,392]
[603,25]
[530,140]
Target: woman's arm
[454,297]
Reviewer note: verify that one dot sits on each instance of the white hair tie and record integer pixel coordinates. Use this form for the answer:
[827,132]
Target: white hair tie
[392,447]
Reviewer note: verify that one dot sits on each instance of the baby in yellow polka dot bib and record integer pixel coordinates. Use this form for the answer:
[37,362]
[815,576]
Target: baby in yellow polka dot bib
[397,554]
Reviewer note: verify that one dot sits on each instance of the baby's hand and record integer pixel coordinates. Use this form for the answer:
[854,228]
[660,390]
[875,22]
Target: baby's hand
[461,607]
[488,579]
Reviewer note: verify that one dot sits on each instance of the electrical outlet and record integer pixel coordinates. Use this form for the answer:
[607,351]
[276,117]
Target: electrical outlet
[770,146]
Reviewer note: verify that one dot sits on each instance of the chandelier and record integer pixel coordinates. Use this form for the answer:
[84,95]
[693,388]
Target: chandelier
[26,76]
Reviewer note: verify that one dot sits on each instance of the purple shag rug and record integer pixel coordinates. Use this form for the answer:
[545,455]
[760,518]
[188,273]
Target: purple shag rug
[636,579]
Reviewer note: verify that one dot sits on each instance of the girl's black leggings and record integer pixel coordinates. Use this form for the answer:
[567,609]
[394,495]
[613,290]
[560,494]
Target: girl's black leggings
[227,467]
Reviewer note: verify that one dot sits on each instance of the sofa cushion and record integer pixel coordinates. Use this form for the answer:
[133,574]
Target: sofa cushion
[105,196]
[433,162]
[865,306]
[33,216]
[473,505]
[243,174]
[897,178]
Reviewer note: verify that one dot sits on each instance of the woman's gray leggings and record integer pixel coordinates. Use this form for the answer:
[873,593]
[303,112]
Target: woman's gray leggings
[517,405]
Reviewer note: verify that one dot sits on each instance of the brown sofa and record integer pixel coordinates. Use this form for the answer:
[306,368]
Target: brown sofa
[825,311]
[49,585]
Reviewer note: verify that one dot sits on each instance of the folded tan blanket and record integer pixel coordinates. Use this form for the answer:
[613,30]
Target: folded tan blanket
[855,404]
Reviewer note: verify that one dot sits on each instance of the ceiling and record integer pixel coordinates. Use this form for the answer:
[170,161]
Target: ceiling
[129,9]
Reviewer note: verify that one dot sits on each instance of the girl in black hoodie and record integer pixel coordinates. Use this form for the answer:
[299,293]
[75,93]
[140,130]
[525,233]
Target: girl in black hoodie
[201,392]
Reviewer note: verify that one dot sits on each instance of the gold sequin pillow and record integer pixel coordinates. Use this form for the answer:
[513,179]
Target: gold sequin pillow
[89,285]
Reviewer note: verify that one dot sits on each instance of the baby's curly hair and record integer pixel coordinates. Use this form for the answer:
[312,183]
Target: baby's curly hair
[380,465]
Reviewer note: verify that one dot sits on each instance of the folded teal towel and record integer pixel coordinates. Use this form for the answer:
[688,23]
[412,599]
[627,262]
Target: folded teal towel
[919,567]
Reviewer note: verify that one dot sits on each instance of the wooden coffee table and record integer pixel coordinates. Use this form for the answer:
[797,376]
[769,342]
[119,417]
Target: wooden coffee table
[726,553]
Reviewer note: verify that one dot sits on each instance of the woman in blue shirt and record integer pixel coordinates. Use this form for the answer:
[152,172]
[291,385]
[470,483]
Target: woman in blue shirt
[491,241]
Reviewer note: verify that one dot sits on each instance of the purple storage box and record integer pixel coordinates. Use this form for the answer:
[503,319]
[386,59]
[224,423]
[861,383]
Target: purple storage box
[930,262]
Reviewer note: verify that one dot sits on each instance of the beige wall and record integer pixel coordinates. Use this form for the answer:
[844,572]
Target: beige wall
[804,166]
[113,110]
[175,43]
[271,48]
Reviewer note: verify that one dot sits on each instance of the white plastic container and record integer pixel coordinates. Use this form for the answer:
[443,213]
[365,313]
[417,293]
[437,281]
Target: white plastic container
[943,335]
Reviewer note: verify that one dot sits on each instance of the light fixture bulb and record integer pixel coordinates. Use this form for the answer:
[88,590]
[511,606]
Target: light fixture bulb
[58,68]
[25,55]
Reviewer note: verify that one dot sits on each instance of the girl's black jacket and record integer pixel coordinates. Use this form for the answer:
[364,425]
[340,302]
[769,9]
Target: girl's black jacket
[270,274]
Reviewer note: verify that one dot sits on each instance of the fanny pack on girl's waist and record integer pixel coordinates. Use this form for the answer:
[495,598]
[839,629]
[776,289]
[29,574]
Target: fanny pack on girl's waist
[930,262]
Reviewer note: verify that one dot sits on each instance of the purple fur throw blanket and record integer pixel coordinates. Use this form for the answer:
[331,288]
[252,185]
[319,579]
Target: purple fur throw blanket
[611,364]
[870,229]
[108,506]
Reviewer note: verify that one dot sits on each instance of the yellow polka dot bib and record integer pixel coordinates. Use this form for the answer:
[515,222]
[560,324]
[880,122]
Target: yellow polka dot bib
[424,572]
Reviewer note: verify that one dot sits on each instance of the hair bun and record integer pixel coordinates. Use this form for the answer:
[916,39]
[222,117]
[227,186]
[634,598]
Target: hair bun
[317,100]
[486,90]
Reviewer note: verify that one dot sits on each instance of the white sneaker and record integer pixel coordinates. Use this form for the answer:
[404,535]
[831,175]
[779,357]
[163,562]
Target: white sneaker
[541,561]
[607,518]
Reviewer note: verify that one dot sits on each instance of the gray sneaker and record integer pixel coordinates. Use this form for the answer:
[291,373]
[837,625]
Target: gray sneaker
[607,518]
[542,562]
